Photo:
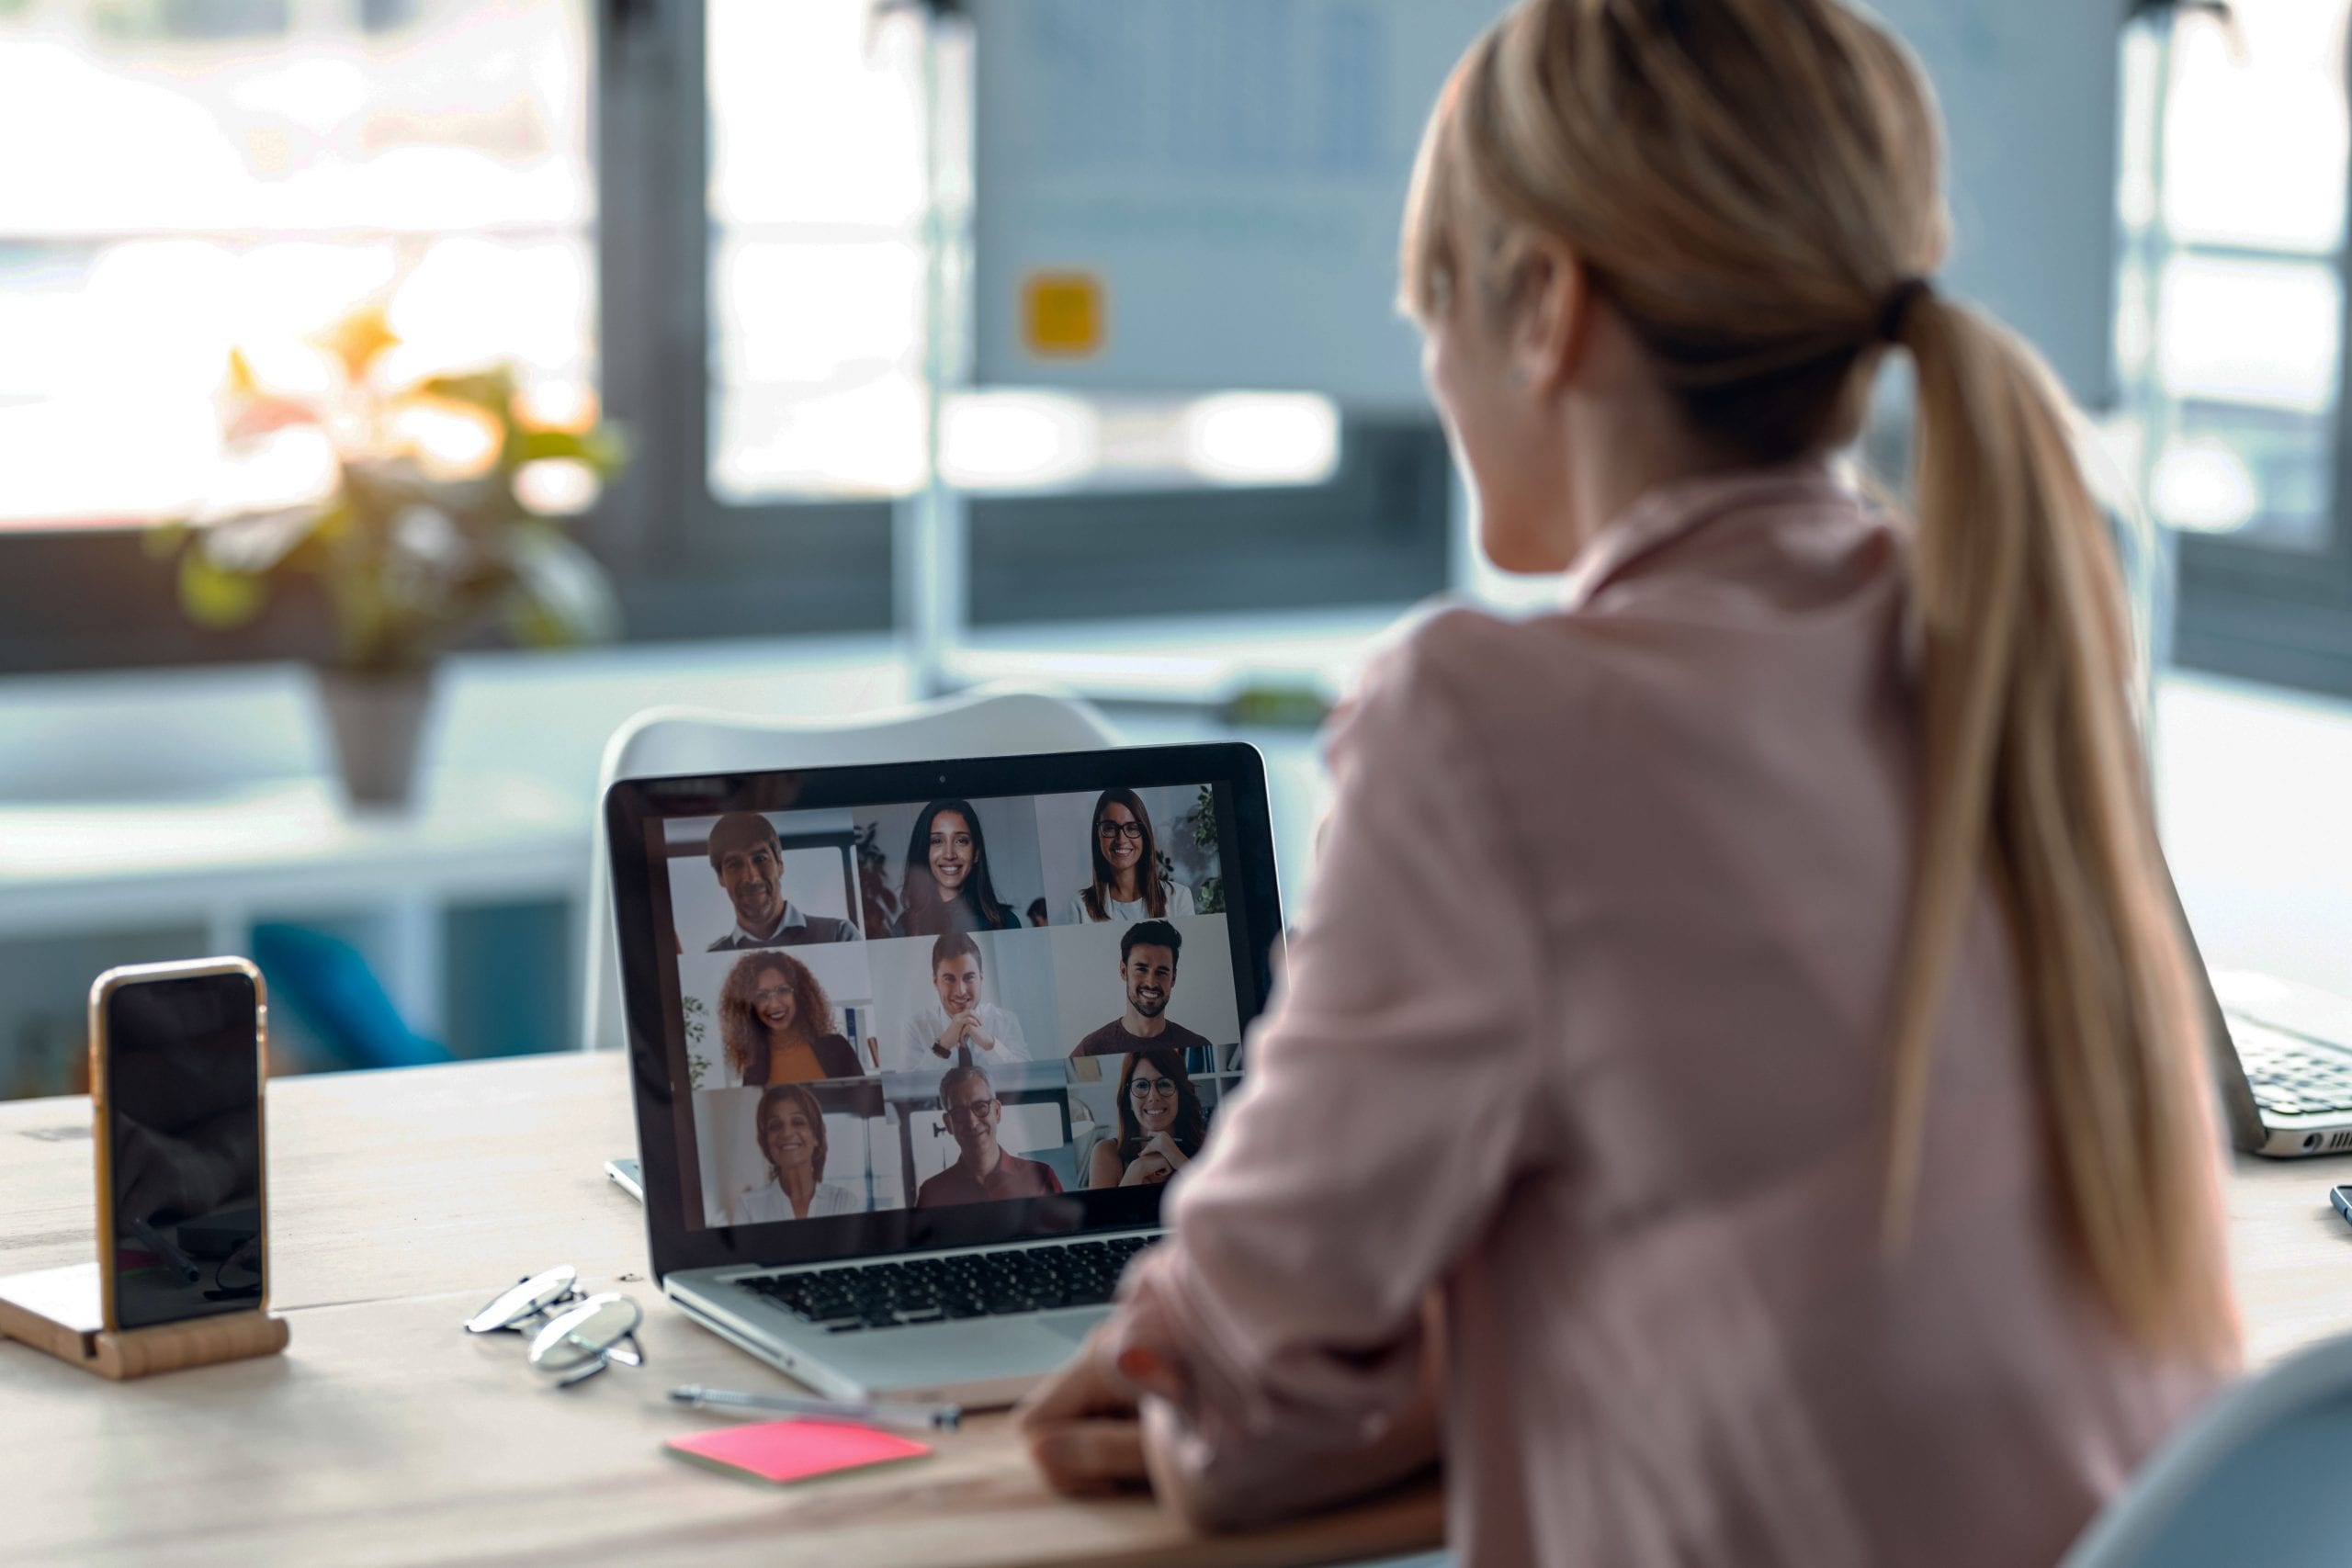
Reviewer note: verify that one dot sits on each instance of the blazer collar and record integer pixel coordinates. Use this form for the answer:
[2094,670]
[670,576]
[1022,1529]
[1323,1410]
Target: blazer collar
[1671,512]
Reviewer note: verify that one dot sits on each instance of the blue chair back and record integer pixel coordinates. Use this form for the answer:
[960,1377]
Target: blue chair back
[2259,1478]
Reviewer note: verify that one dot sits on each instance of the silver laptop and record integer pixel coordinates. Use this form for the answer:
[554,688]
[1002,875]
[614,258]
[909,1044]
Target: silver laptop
[914,1048]
[2287,1079]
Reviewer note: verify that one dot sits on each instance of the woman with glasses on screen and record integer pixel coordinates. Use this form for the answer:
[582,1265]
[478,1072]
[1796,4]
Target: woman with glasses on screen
[776,1024]
[1127,884]
[791,1130]
[1161,1123]
[947,886]
[1738,1085]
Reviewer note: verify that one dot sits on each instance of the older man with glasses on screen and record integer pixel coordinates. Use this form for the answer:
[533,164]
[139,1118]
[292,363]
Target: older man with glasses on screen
[983,1169]
[749,859]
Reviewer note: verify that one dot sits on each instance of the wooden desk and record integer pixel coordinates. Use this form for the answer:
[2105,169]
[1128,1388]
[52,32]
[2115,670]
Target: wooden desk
[402,1202]
[384,1435]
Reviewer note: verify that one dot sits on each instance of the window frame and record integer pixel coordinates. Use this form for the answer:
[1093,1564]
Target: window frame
[2268,613]
[688,565]
[1375,534]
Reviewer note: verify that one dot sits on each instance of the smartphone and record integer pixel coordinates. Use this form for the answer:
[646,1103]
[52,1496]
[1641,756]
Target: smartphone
[177,1056]
[2342,1198]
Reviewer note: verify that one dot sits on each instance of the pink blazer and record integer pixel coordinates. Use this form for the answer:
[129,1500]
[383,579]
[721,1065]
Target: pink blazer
[1585,1028]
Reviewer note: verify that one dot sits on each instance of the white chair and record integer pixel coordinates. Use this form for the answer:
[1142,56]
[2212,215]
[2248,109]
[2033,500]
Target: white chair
[665,741]
[2259,1478]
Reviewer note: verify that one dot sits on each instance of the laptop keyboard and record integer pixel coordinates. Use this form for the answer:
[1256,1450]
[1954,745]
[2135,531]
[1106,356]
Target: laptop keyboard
[2292,1076]
[857,1296]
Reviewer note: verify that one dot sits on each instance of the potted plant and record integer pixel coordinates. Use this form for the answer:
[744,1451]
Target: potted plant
[440,513]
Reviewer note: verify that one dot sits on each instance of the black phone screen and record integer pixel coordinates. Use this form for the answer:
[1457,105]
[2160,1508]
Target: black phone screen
[183,1094]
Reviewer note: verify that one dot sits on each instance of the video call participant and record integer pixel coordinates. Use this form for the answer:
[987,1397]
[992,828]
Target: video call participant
[984,1170]
[749,859]
[946,885]
[958,1023]
[776,1024]
[792,1138]
[1161,1123]
[1127,884]
[1148,966]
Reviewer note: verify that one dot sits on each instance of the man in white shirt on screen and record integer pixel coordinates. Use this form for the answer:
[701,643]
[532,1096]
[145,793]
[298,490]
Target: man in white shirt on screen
[957,1025]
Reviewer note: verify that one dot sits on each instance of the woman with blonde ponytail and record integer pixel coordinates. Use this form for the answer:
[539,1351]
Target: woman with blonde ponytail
[1737,1090]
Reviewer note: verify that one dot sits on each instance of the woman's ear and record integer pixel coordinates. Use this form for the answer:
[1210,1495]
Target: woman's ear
[1553,322]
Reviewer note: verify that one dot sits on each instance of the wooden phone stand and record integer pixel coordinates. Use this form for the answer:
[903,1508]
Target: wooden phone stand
[58,1310]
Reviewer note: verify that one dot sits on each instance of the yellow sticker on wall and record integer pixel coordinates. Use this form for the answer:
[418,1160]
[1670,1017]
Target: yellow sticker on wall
[1062,313]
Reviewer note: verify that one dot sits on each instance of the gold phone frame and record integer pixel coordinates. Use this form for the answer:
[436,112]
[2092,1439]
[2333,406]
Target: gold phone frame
[102,990]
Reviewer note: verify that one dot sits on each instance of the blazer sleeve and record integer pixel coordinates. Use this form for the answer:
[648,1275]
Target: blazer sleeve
[1392,1099]
[839,1057]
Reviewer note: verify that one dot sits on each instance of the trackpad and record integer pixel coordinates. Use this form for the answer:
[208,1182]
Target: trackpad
[1074,1325]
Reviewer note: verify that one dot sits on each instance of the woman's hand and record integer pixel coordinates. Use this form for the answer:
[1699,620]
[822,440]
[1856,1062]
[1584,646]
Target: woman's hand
[1147,1169]
[1163,1145]
[1082,1424]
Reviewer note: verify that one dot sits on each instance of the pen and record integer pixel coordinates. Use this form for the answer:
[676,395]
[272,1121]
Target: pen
[940,1417]
[161,1246]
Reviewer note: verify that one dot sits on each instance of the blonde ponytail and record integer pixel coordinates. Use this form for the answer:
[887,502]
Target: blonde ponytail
[1753,187]
[2032,767]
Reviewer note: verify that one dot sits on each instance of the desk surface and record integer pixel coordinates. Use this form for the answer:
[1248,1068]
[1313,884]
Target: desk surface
[400,1203]
[383,1435]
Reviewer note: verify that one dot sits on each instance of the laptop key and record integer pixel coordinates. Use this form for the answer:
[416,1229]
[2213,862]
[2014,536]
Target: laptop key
[851,1298]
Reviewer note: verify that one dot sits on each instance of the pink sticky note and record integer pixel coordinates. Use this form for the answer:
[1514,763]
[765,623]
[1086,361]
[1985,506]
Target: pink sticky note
[800,1450]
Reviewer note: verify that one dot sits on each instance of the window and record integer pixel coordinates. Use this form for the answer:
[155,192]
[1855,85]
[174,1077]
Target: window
[818,347]
[710,214]
[242,174]
[2234,187]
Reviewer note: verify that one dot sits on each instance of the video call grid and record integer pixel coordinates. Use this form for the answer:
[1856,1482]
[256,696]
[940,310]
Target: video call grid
[1028,985]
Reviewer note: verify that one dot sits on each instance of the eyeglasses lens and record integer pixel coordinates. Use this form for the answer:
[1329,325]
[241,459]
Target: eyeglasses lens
[589,1333]
[526,1300]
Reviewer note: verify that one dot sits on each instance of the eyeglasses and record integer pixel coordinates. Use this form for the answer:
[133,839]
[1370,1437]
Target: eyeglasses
[1140,1088]
[1131,831]
[570,1344]
[767,994]
[971,1112]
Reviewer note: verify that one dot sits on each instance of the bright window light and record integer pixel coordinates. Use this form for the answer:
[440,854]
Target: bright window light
[1018,441]
[2255,150]
[1247,438]
[195,193]
[863,441]
[2250,331]
[2205,486]
[557,486]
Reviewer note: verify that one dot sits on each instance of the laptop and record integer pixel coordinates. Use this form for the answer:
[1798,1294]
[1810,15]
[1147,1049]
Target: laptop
[910,1072]
[2281,1057]
[2287,1079]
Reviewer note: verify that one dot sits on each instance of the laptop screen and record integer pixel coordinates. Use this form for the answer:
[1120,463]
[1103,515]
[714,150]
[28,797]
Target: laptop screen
[908,1020]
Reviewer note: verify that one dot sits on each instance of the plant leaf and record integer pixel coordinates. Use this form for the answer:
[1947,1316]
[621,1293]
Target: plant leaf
[491,390]
[360,339]
[601,448]
[561,595]
[217,598]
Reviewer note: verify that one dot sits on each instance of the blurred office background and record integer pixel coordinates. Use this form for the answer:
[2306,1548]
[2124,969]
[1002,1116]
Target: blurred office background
[740,232]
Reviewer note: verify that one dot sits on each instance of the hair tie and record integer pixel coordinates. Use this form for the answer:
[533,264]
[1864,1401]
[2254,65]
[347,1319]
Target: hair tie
[1898,309]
